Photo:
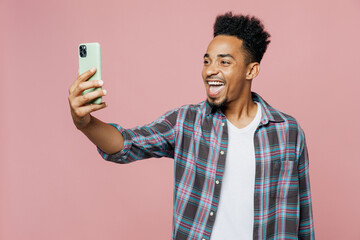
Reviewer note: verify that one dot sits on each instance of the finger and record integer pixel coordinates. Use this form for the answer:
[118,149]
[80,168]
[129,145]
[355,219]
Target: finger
[86,85]
[82,111]
[86,75]
[81,78]
[88,97]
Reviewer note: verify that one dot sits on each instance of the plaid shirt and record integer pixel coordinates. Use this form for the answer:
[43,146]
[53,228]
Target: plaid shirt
[196,137]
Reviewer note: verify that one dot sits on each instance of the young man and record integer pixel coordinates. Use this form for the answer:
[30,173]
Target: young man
[241,166]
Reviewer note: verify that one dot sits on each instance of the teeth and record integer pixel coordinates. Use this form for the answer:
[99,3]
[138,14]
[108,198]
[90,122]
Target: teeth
[215,83]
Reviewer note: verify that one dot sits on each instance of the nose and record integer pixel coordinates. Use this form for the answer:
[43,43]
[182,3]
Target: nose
[211,70]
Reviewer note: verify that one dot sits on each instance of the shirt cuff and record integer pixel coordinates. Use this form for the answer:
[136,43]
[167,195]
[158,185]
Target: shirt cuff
[121,156]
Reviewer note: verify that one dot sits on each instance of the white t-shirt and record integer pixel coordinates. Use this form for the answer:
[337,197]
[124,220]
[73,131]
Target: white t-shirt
[235,214]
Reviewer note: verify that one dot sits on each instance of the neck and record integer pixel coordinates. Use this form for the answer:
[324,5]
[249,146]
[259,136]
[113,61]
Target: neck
[242,111]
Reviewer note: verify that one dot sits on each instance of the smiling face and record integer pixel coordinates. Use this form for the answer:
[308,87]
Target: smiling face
[226,73]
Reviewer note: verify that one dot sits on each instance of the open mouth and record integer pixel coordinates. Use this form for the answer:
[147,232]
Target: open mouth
[215,87]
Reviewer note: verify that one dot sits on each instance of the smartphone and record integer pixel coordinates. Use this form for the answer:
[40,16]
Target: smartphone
[89,57]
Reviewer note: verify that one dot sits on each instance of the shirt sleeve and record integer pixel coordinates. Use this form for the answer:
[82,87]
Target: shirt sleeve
[156,139]
[306,223]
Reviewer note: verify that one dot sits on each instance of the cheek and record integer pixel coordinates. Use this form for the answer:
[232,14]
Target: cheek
[203,73]
[235,80]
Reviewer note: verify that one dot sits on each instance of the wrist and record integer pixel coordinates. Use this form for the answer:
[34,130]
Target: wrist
[84,123]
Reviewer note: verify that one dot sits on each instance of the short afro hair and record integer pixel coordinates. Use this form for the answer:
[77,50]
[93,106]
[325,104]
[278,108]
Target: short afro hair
[249,29]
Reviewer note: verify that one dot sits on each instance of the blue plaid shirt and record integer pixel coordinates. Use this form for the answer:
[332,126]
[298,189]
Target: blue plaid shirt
[196,137]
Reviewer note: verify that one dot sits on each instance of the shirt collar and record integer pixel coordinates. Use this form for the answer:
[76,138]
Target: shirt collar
[268,113]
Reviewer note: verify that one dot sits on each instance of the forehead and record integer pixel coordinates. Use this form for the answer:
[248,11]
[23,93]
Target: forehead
[223,44]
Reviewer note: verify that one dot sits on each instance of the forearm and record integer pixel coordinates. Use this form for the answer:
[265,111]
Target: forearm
[104,136]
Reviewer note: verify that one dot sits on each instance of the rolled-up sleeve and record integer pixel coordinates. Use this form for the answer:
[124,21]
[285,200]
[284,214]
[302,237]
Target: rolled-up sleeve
[156,139]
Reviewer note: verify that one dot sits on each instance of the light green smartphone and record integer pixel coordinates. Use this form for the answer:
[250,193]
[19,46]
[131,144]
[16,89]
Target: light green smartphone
[89,57]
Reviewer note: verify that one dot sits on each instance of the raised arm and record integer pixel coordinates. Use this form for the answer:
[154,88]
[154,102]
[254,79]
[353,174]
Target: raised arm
[103,135]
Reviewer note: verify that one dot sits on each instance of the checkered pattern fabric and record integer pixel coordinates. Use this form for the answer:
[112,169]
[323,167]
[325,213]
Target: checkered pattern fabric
[196,137]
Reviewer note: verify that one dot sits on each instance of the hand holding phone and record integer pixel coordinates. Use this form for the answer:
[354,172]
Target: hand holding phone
[82,92]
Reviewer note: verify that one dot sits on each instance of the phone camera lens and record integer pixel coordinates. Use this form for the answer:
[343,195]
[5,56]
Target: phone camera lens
[82,50]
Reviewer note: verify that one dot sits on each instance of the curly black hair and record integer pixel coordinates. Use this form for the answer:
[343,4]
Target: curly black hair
[249,29]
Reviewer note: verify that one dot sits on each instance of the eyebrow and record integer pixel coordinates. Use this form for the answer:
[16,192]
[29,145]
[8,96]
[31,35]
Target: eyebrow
[219,55]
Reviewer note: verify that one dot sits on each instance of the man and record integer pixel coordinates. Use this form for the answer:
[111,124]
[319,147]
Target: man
[241,166]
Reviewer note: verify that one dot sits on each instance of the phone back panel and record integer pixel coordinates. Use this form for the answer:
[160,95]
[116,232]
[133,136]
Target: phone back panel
[92,59]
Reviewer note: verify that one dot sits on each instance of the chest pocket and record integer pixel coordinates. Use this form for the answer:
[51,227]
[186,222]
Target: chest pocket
[284,181]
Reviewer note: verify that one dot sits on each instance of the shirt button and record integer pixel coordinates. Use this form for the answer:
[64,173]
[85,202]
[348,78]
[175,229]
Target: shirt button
[211,213]
[222,152]
[223,124]
[203,239]
[217,182]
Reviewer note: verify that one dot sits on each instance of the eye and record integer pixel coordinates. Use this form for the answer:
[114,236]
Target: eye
[206,61]
[224,62]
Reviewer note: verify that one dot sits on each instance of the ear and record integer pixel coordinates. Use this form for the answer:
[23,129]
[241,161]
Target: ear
[253,70]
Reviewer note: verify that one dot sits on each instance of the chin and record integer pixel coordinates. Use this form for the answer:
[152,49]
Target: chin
[217,103]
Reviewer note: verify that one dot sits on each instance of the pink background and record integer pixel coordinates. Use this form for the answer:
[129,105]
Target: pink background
[55,186]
